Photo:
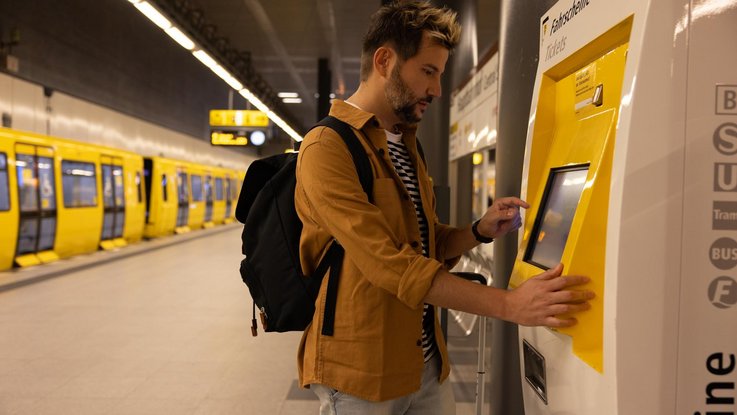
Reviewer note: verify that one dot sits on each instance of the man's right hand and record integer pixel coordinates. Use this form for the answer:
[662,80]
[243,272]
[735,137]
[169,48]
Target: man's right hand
[540,299]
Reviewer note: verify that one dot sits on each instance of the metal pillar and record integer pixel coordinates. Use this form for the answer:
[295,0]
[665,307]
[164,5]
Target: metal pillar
[518,55]
[323,88]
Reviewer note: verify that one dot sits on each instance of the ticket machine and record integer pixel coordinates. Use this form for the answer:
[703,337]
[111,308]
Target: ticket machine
[631,171]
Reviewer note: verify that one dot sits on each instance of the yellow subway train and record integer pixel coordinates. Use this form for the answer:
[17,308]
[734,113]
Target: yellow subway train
[60,198]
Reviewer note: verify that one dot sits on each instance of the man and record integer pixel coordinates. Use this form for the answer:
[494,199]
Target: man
[387,354]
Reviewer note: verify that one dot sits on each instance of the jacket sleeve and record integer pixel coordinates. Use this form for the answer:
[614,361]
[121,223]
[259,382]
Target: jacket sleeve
[442,231]
[338,204]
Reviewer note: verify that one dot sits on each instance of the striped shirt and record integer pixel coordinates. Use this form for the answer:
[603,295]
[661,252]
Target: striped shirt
[406,171]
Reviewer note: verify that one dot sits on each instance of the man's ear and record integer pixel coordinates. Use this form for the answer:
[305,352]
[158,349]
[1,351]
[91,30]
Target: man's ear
[383,60]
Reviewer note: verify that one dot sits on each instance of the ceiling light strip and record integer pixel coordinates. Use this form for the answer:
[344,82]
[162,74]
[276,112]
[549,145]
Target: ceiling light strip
[184,41]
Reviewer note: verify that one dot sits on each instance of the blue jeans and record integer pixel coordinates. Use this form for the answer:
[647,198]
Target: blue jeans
[433,398]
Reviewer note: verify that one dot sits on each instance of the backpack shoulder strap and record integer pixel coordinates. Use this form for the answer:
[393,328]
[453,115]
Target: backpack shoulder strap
[360,159]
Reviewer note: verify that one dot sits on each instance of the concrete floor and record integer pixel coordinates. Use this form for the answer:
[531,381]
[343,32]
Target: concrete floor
[160,327]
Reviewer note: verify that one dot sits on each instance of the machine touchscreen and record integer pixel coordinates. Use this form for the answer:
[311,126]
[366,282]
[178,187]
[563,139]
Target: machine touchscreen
[553,223]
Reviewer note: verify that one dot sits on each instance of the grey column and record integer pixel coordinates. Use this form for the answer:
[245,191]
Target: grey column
[518,53]
[323,88]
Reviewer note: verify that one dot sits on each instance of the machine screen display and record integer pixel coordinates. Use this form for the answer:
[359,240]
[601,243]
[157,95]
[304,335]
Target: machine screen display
[554,219]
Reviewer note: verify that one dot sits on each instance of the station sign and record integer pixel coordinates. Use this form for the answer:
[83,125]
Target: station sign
[474,110]
[238,118]
[238,136]
[229,138]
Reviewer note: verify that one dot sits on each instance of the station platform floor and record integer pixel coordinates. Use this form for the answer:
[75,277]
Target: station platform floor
[159,327]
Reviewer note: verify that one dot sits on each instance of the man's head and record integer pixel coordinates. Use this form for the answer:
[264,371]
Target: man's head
[401,26]
[406,49]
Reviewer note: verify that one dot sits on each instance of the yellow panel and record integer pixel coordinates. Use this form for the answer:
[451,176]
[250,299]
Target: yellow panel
[25,149]
[119,242]
[572,127]
[107,245]
[47,256]
[27,260]
[182,229]
[45,151]
[8,218]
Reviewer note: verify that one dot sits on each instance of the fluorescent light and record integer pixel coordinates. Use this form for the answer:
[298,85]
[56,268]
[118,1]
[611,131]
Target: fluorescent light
[292,100]
[256,102]
[288,95]
[80,172]
[203,57]
[153,14]
[234,83]
[180,37]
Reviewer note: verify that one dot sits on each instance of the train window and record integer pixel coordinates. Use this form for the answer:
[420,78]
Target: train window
[138,187]
[107,185]
[25,166]
[183,188]
[119,188]
[47,183]
[234,189]
[218,189]
[196,188]
[4,193]
[164,192]
[79,184]
[208,188]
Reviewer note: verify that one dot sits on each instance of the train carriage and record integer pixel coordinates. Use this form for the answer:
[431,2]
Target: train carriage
[62,198]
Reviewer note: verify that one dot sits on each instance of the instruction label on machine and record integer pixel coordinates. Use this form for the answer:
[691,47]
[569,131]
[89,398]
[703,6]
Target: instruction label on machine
[585,85]
[585,82]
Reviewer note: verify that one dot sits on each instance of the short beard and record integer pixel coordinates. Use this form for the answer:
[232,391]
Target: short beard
[401,98]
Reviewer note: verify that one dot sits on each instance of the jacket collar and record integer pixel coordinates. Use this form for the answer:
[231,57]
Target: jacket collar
[368,123]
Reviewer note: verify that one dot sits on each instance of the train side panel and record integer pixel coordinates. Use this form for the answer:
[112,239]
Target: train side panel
[8,201]
[161,192]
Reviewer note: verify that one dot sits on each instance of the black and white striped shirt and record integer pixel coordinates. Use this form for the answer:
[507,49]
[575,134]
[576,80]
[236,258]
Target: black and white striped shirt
[406,171]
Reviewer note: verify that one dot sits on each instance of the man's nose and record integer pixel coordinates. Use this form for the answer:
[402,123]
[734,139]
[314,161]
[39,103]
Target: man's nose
[435,89]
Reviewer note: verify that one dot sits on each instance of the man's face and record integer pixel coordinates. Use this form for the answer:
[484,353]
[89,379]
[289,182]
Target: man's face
[414,83]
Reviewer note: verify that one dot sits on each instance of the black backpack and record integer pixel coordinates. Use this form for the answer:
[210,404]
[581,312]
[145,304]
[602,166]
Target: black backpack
[271,269]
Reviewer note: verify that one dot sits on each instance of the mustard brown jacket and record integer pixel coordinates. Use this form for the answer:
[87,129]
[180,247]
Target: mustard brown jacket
[375,352]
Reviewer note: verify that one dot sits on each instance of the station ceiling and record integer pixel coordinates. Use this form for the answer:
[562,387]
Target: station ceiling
[286,38]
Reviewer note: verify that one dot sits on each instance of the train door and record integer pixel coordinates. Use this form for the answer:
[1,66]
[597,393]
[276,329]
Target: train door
[208,201]
[113,200]
[37,202]
[183,197]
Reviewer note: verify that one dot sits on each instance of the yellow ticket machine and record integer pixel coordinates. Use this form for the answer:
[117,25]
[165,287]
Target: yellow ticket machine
[630,171]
